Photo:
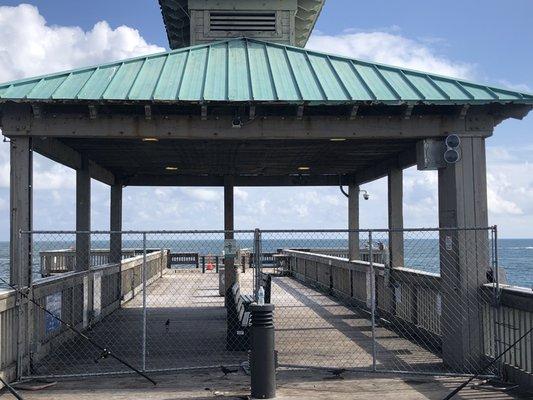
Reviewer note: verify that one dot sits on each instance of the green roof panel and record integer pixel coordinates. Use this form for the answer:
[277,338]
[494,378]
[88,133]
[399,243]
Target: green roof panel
[253,70]
[169,81]
[72,85]
[239,72]
[147,79]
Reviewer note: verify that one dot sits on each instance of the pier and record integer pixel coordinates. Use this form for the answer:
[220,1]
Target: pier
[259,111]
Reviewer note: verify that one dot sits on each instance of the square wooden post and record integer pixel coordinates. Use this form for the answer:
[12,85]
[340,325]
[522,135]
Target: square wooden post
[464,255]
[115,238]
[115,224]
[83,216]
[21,211]
[396,247]
[353,222]
[230,274]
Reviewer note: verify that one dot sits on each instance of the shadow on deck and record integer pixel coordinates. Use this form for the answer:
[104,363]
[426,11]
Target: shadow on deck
[185,328]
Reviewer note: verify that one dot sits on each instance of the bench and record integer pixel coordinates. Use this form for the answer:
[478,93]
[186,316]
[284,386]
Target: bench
[184,259]
[239,321]
[266,282]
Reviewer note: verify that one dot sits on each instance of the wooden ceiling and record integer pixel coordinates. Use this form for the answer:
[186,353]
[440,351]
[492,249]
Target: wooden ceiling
[130,158]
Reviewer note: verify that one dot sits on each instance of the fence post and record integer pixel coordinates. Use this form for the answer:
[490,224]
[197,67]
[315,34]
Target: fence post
[496,306]
[20,311]
[257,261]
[144,304]
[372,298]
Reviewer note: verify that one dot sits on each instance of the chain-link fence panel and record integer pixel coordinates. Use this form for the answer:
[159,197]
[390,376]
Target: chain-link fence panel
[88,280]
[158,300]
[381,300]
[431,302]
[405,300]
[321,317]
[193,319]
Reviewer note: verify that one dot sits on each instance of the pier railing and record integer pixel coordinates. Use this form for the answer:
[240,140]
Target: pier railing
[64,260]
[416,301]
[80,298]
[413,303]
[506,321]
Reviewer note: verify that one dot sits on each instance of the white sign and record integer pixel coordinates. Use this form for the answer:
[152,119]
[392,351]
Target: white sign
[398,294]
[449,243]
[97,294]
[230,247]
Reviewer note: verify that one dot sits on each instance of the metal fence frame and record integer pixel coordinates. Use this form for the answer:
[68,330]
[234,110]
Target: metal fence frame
[258,238]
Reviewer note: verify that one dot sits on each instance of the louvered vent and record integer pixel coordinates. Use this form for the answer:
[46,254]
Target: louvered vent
[232,21]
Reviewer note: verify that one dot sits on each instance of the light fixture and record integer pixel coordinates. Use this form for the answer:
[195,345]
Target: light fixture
[150,139]
[304,168]
[171,168]
[337,139]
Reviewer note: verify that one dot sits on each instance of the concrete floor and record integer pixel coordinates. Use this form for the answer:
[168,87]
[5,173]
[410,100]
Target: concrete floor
[292,384]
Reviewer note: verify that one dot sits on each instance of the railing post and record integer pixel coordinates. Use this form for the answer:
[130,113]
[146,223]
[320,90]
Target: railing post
[144,304]
[372,298]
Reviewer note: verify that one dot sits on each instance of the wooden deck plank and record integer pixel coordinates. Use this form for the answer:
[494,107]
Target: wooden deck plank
[312,330]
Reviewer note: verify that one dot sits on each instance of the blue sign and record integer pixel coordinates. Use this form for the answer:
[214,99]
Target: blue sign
[53,304]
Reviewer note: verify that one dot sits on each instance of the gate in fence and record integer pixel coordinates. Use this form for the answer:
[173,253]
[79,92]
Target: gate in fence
[403,300]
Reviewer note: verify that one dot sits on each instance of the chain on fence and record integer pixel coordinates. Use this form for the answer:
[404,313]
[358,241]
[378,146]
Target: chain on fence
[380,300]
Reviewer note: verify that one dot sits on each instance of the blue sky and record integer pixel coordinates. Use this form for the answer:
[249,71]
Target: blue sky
[492,43]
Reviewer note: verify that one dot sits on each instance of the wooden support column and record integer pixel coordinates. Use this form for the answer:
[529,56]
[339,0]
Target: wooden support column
[230,274]
[396,250]
[83,216]
[464,255]
[115,223]
[21,210]
[353,222]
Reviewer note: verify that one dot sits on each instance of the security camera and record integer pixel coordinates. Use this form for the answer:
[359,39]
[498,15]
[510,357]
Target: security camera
[236,122]
[366,196]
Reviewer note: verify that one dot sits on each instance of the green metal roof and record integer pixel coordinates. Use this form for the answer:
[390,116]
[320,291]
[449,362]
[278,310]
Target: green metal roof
[252,70]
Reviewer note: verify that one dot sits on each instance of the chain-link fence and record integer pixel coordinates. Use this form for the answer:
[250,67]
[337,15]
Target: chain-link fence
[380,300]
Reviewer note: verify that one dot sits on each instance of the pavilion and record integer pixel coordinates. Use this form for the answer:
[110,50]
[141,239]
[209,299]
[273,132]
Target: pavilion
[238,101]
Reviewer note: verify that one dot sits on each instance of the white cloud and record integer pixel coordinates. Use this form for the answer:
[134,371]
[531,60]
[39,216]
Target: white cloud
[390,48]
[240,194]
[202,194]
[30,46]
[519,87]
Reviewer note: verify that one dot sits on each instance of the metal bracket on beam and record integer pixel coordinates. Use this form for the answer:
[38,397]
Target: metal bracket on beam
[353,113]
[408,111]
[251,114]
[204,113]
[37,111]
[147,112]
[93,112]
[464,111]
[300,112]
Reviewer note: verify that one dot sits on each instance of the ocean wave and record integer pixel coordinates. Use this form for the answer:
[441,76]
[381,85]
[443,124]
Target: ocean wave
[520,248]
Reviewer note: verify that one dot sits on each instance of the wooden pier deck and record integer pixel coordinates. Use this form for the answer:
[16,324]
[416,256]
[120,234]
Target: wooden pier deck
[185,328]
[292,384]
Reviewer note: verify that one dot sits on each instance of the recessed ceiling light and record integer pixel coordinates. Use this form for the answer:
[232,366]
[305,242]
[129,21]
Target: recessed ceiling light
[337,140]
[150,139]
[304,168]
[171,168]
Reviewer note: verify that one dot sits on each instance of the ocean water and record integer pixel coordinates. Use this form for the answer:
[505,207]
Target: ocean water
[514,255]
